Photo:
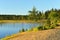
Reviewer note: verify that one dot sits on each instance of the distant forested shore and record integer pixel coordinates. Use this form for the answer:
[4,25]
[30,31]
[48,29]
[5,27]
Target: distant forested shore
[35,15]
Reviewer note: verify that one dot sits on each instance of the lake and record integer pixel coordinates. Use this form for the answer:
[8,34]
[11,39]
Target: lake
[7,29]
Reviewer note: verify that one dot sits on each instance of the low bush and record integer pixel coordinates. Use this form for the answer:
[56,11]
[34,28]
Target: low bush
[22,30]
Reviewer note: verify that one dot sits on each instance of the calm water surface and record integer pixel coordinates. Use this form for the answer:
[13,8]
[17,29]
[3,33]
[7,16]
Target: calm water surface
[7,29]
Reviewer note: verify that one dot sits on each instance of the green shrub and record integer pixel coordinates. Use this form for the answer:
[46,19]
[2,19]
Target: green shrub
[23,30]
[40,27]
[52,27]
[35,29]
[46,27]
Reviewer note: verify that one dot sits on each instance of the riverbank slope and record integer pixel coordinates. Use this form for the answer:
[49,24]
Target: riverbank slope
[51,34]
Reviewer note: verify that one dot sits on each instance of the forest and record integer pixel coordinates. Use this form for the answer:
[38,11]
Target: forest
[34,14]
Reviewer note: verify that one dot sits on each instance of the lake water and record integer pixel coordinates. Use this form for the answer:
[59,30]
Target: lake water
[7,29]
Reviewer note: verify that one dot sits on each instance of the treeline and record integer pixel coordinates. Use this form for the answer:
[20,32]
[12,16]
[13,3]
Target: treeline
[13,17]
[34,14]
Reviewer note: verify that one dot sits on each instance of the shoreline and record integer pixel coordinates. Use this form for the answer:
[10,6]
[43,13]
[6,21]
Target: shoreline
[19,21]
[31,32]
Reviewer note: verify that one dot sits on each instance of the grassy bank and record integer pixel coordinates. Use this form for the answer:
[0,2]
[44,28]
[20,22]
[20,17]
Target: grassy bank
[24,21]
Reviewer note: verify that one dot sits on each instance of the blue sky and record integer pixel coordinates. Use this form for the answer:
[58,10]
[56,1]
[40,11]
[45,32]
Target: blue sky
[21,7]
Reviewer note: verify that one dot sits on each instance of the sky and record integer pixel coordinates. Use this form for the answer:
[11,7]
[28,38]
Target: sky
[21,7]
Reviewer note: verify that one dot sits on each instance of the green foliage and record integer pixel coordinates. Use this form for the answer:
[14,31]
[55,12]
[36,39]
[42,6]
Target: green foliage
[23,30]
[33,14]
[35,29]
[40,27]
[47,14]
[53,15]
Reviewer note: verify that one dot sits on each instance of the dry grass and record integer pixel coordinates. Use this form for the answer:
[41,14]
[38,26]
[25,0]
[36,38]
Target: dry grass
[24,21]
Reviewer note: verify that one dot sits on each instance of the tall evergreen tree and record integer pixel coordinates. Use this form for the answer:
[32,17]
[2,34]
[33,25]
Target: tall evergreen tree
[33,13]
